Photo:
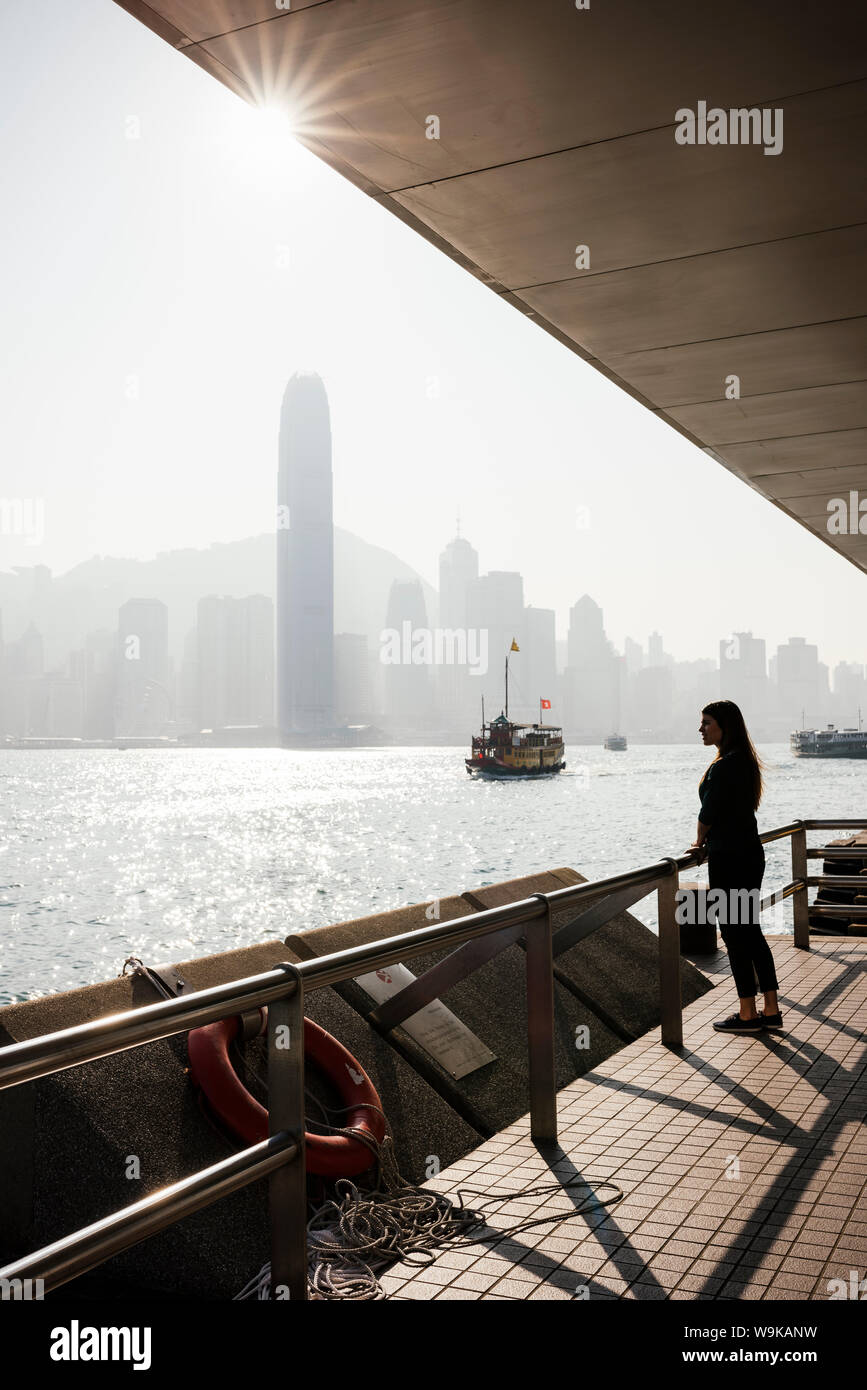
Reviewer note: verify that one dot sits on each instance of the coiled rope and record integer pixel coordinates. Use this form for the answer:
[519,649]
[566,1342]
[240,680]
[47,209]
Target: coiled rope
[359,1232]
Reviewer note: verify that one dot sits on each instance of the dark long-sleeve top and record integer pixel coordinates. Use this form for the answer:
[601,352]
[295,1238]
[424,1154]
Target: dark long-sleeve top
[726,792]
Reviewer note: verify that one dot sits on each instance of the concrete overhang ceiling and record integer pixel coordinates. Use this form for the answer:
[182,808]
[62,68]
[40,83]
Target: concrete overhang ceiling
[557,129]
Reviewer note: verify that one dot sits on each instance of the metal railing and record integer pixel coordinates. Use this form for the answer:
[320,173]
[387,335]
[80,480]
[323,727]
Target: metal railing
[476,939]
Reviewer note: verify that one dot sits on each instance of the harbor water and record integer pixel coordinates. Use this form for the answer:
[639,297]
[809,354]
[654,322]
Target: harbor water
[170,854]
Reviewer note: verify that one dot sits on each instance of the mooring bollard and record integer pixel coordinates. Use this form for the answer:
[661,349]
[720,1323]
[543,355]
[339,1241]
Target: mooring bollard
[697,927]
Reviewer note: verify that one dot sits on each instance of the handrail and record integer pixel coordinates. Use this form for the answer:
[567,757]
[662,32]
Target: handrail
[88,1042]
[83,1250]
[103,1037]
[833,852]
[835,824]
[780,834]
[281,1156]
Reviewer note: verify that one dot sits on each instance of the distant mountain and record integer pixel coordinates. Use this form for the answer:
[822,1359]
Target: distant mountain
[85,599]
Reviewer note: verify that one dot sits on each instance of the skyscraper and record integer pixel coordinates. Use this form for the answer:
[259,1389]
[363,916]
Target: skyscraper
[305,560]
[98,674]
[633,654]
[495,605]
[353,696]
[23,667]
[459,566]
[850,692]
[540,665]
[406,684]
[798,682]
[656,653]
[144,700]
[592,677]
[744,676]
[456,688]
[235,662]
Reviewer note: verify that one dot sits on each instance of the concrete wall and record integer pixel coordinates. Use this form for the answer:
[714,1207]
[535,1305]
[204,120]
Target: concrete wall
[608,983]
[66,1142]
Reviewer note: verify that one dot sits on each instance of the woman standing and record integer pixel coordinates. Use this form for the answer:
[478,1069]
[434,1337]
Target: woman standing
[730,792]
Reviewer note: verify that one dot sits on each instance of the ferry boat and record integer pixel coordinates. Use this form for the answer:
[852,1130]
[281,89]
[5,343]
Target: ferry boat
[616,743]
[506,749]
[829,743]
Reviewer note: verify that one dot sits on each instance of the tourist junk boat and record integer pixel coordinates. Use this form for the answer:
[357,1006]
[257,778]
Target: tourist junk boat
[829,743]
[506,749]
[616,743]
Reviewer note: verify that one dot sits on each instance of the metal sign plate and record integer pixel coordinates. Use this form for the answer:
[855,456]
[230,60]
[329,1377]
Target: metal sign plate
[435,1028]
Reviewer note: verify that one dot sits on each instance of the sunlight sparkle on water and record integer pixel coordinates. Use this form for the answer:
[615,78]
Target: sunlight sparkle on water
[171,854]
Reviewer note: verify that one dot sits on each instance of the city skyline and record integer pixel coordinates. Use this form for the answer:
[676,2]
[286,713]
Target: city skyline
[848,654]
[124,683]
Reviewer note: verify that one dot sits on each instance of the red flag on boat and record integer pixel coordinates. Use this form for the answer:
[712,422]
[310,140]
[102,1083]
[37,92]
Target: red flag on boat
[546,704]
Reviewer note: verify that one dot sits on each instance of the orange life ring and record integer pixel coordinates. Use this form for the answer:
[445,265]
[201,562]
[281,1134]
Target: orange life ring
[328,1155]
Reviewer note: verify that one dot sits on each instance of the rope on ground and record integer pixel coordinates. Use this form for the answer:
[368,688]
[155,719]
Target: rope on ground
[358,1233]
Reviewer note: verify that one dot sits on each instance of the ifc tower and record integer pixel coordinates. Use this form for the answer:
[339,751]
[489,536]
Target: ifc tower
[305,560]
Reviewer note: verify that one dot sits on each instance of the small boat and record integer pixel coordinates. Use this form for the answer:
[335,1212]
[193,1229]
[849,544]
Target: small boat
[616,743]
[505,749]
[829,743]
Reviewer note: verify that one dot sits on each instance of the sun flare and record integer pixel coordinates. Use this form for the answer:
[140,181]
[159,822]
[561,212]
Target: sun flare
[263,136]
[273,123]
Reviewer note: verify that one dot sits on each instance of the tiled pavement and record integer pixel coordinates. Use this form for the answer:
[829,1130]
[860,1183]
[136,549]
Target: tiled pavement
[742,1160]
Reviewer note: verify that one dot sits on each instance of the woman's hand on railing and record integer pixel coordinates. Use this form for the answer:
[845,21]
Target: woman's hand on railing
[699,848]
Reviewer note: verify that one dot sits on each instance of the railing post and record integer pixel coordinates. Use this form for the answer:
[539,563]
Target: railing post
[540,1027]
[670,1001]
[800,909]
[287,1187]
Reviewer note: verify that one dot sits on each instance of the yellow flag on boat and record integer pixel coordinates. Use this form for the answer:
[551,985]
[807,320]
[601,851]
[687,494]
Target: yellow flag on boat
[514,647]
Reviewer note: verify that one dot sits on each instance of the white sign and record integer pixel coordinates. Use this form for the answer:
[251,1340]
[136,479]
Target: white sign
[435,1028]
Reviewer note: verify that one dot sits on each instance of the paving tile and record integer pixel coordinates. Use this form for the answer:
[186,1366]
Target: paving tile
[695,1283]
[608,1283]
[436,1275]
[674,1262]
[468,1280]
[801,1284]
[420,1292]
[663,1128]
[455,1259]
[550,1292]
[518,1288]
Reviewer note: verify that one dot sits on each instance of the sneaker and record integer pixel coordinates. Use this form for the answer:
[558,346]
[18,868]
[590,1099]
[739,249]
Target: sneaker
[772,1023]
[735,1024]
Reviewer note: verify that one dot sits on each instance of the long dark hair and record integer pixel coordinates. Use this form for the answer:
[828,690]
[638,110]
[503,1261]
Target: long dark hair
[735,735]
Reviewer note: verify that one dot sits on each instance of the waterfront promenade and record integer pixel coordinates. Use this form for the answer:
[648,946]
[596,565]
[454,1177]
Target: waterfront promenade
[742,1160]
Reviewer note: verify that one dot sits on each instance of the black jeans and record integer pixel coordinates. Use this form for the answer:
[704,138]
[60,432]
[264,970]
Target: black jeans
[738,870]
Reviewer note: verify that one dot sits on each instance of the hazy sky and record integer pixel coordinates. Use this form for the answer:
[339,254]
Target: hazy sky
[159,291]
